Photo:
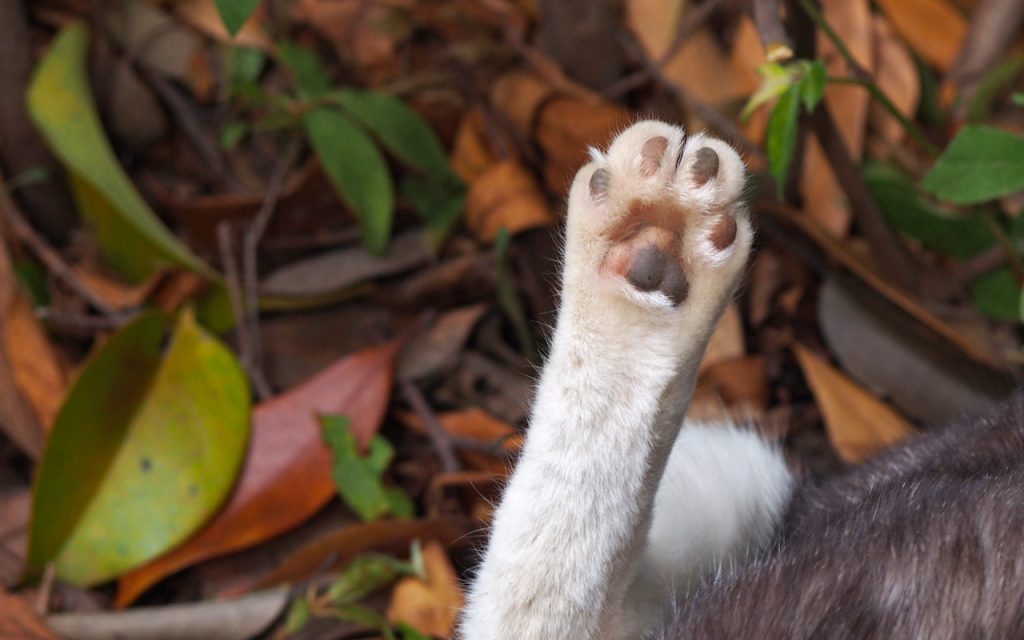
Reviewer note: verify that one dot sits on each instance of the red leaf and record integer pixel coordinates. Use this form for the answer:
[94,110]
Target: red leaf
[287,474]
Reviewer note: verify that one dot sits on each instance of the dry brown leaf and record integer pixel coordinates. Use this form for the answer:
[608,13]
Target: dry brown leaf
[897,77]
[726,342]
[505,196]
[19,622]
[858,424]
[475,424]
[15,507]
[654,22]
[565,129]
[203,16]
[114,292]
[519,95]
[436,349]
[430,605]
[367,32]
[703,67]
[471,153]
[741,382]
[848,105]
[747,55]
[933,28]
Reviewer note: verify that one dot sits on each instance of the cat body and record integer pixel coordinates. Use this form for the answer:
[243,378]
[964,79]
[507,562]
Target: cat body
[619,517]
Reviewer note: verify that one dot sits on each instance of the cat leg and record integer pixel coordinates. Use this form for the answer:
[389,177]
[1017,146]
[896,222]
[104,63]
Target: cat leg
[656,241]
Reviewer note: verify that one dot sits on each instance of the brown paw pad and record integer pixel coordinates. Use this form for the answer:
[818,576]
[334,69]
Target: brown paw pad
[649,261]
[705,165]
[724,233]
[599,184]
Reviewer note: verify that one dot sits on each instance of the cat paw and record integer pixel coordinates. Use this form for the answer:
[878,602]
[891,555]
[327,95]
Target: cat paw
[657,217]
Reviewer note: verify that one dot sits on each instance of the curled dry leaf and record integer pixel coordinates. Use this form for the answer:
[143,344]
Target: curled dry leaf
[505,196]
[472,153]
[566,127]
[437,348]
[17,620]
[520,95]
[858,424]
[32,376]
[897,77]
[848,105]
[933,28]
[481,427]
[741,383]
[286,451]
[430,605]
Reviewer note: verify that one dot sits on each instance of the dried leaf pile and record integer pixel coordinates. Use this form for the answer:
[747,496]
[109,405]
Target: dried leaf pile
[276,277]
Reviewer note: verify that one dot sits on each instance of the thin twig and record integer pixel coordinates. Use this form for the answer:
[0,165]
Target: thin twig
[250,275]
[715,118]
[892,257]
[49,256]
[438,436]
[80,324]
[236,295]
[994,26]
[985,262]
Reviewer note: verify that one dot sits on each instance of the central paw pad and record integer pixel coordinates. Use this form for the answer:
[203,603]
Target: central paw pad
[669,208]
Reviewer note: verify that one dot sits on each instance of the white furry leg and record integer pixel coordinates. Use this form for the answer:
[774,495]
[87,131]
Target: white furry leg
[720,502]
[655,244]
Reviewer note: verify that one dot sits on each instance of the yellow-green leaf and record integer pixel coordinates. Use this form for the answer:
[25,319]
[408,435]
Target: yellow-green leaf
[61,105]
[146,447]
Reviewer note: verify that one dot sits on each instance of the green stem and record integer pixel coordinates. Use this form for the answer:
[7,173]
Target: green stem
[864,79]
[1005,241]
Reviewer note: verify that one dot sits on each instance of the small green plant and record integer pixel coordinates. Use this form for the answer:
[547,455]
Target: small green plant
[351,131]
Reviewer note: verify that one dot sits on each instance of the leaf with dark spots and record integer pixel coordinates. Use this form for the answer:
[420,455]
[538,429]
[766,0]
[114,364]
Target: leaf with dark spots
[286,452]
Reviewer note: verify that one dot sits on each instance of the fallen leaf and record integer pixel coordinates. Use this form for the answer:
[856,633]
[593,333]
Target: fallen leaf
[60,102]
[858,424]
[204,17]
[933,28]
[437,348]
[480,426]
[32,375]
[741,382]
[566,127]
[848,105]
[337,548]
[726,343]
[505,196]
[15,508]
[897,76]
[145,449]
[357,30]
[286,451]
[155,38]
[357,473]
[519,95]
[703,67]
[238,619]
[472,153]
[19,622]
[334,271]
[113,291]
[654,22]
[925,378]
[746,55]
[431,605]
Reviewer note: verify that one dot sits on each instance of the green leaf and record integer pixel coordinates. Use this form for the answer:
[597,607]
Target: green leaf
[409,632]
[903,206]
[812,87]
[364,575]
[61,105]
[234,13]
[400,130]
[781,139]
[776,79]
[357,172]
[311,78]
[1017,99]
[298,617]
[30,177]
[35,280]
[982,163]
[359,477]
[144,450]
[233,133]
[998,295]
[438,203]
